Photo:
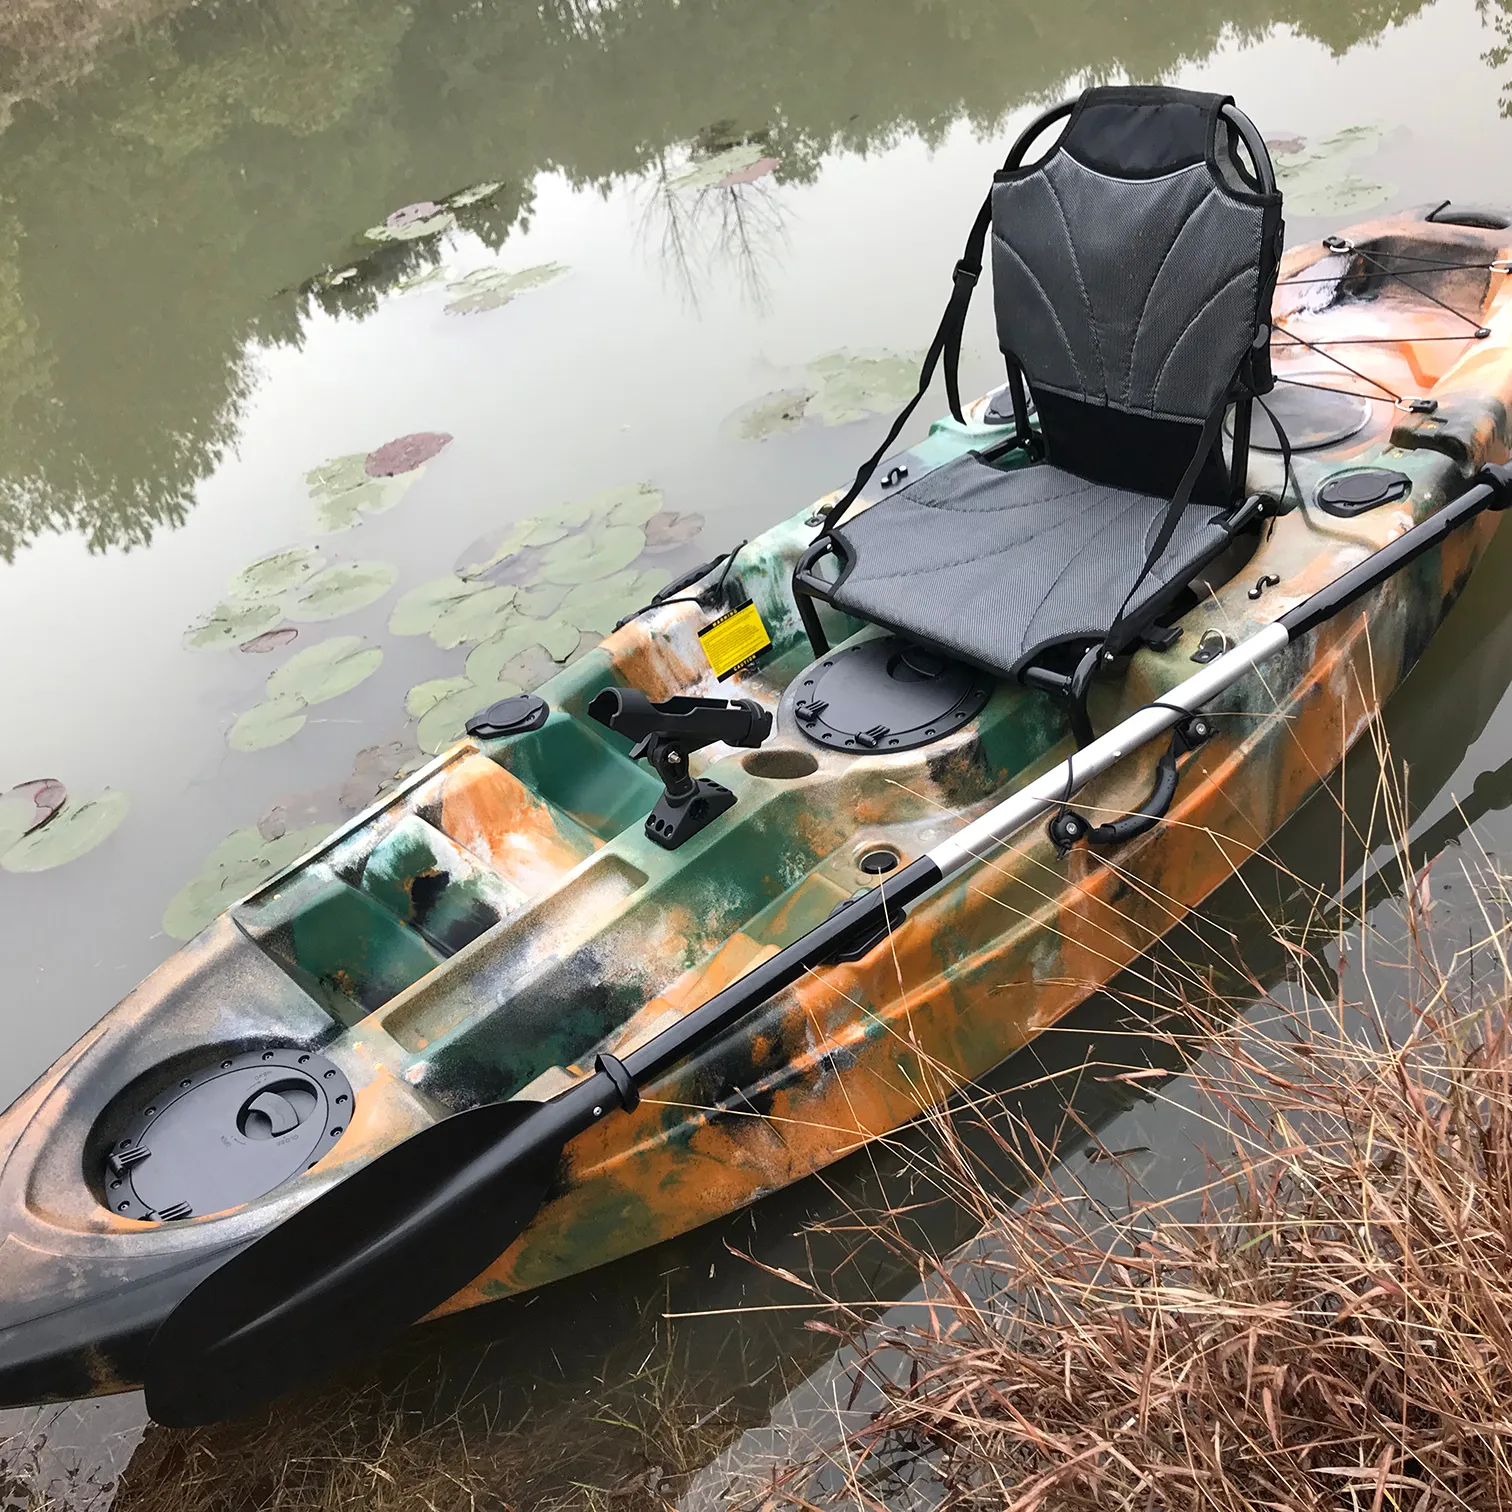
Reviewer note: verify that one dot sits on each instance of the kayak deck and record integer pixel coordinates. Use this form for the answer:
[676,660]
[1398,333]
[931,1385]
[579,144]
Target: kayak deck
[487,929]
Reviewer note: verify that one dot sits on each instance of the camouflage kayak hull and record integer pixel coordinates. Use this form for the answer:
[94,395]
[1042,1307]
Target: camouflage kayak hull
[488,928]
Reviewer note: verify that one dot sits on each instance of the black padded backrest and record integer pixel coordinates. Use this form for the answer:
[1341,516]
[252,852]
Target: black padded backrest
[1133,268]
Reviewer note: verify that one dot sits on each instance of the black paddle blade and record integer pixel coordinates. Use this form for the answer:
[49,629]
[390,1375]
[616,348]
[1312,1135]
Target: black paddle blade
[355,1266]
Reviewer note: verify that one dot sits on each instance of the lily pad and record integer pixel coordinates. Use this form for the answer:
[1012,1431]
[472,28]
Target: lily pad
[465,197]
[668,530]
[276,575]
[629,504]
[418,610]
[271,640]
[342,589]
[406,453]
[599,606]
[325,670]
[476,617]
[713,170]
[412,223]
[376,768]
[230,623]
[443,723]
[851,388]
[539,602]
[1315,177]
[772,414]
[493,288]
[70,834]
[27,807]
[424,697]
[267,724]
[338,475]
[242,861]
[372,496]
[587,558]
[484,555]
[556,637]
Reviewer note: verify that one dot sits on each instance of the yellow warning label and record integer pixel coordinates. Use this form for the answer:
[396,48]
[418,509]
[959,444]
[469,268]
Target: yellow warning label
[732,641]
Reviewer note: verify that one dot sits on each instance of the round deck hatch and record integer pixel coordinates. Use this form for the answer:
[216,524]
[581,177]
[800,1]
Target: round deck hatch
[1311,417]
[887,695]
[226,1134]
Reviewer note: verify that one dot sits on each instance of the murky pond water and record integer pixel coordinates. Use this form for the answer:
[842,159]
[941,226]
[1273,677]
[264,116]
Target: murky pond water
[580,248]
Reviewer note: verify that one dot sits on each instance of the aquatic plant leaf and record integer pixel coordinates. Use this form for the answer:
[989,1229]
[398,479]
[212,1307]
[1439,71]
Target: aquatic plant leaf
[771,415]
[338,475]
[598,607]
[851,387]
[244,860]
[748,175]
[493,288]
[271,640]
[70,834]
[708,172]
[541,601]
[443,723]
[587,558]
[555,637]
[342,589]
[424,697]
[465,197]
[418,610]
[325,670]
[19,815]
[669,530]
[373,496]
[629,504]
[275,575]
[376,768]
[267,724]
[412,223]
[405,453]
[476,617]
[486,554]
[1314,177]
[230,623]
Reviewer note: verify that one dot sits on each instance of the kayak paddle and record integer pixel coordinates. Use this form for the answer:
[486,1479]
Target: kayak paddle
[386,1245]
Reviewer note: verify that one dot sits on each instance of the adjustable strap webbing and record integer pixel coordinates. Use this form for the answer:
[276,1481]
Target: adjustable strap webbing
[1113,640]
[946,344]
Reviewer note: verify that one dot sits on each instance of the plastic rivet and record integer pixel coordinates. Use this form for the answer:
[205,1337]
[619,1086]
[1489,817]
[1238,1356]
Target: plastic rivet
[598,1112]
[149,1113]
[225,1065]
[267,1055]
[335,1131]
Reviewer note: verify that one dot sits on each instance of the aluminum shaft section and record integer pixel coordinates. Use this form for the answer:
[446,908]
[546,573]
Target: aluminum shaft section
[982,836]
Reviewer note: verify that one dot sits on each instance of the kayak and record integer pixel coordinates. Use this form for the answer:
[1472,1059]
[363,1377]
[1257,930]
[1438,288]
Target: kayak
[505,920]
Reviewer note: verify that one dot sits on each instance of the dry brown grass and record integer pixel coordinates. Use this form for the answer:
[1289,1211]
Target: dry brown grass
[1323,1319]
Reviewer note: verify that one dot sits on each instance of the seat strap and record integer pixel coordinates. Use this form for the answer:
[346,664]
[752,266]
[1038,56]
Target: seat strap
[1113,640]
[947,344]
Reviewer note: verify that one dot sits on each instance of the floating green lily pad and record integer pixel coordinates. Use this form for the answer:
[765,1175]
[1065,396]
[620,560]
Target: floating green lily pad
[342,589]
[771,415]
[710,172]
[597,554]
[424,697]
[242,861]
[267,724]
[418,610]
[408,225]
[851,388]
[276,575]
[474,618]
[338,475]
[372,496]
[630,504]
[556,637]
[539,602]
[465,197]
[230,623]
[68,835]
[1314,178]
[481,557]
[598,607]
[325,670]
[493,288]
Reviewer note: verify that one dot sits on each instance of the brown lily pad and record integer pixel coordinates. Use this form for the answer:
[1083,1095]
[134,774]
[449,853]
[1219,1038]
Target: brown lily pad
[270,640]
[405,453]
[669,530]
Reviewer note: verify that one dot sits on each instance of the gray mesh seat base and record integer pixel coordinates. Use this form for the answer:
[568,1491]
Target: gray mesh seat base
[998,566]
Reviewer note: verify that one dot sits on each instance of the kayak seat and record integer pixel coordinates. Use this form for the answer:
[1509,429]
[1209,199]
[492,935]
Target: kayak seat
[1001,566]
[1133,266]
